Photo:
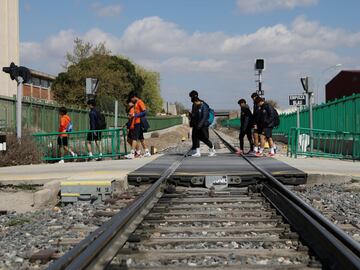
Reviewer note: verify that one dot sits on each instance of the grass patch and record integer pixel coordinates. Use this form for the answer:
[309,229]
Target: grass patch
[24,186]
[17,222]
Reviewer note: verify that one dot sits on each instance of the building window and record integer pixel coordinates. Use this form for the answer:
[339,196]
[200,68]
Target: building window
[45,83]
[35,81]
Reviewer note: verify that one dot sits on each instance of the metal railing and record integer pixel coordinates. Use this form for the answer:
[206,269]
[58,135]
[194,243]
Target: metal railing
[112,144]
[323,143]
[44,117]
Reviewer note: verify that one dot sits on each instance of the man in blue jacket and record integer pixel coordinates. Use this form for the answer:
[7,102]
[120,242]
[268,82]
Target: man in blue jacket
[94,135]
[200,124]
[266,122]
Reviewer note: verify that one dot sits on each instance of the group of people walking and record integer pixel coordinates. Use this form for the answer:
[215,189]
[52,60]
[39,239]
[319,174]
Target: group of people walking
[136,126]
[257,125]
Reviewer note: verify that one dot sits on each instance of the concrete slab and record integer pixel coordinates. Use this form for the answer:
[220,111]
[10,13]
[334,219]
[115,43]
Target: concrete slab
[94,170]
[319,170]
[322,170]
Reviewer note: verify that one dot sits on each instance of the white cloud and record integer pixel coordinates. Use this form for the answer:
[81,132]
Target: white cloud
[220,60]
[256,6]
[183,65]
[106,11]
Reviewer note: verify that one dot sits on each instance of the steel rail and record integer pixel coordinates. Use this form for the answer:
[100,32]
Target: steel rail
[99,248]
[333,246]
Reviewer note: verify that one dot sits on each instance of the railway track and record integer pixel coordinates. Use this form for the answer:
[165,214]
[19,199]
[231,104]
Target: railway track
[263,226]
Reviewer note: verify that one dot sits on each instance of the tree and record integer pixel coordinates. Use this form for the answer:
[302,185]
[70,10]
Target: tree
[83,50]
[117,76]
[273,103]
[151,89]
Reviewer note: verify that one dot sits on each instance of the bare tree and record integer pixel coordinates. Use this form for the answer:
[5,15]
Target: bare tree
[273,103]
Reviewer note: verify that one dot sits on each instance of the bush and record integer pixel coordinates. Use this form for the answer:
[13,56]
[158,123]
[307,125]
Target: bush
[17,153]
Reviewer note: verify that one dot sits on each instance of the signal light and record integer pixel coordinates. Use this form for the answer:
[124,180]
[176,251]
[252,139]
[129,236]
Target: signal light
[14,71]
[259,64]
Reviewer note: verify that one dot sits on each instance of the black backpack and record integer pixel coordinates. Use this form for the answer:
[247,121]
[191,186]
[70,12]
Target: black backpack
[276,118]
[101,124]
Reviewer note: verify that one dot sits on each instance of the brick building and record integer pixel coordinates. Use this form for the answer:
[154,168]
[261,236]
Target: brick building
[345,83]
[40,86]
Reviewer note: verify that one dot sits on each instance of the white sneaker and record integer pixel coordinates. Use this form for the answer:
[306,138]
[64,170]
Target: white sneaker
[197,153]
[61,161]
[131,155]
[191,152]
[212,152]
[147,153]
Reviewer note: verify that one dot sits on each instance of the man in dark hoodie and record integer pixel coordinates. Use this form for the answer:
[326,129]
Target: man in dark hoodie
[94,135]
[200,124]
[193,94]
[266,123]
[247,123]
[255,125]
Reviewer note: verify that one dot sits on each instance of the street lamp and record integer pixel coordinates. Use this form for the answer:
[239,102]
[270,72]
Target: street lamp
[320,79]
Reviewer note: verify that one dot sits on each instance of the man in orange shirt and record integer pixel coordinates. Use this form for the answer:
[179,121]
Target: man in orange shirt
[137,132]
[65,126]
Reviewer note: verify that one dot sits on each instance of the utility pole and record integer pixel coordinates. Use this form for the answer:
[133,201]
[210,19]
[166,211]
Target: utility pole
[307,83]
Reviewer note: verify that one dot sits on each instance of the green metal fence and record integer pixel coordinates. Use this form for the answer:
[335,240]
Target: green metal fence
[341,114]
[111,141]
[323,143]
[42,116]
[231,123]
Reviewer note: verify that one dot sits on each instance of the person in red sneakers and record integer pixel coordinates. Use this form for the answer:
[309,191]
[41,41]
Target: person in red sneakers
[266,122]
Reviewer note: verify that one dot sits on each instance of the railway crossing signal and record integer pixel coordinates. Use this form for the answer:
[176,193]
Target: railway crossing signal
[15,72]
[259,67]
[21,75]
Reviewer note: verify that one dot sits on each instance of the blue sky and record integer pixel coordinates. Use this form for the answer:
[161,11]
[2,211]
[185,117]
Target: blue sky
[209,45]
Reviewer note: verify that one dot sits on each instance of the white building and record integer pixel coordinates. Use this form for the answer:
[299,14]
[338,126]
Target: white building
[9,43]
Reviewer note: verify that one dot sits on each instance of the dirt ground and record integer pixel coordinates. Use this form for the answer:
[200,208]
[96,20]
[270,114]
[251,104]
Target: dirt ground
[169,139]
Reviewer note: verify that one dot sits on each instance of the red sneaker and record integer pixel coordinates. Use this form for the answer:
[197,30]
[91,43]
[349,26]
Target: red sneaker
[271,154]
[258,154]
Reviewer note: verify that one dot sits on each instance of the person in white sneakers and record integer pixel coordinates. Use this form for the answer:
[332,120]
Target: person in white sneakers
[192,115]
[137,127]
[268,119]
[201,124]
[65,125]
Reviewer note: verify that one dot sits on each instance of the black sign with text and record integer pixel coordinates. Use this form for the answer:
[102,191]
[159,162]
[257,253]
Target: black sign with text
[297,100]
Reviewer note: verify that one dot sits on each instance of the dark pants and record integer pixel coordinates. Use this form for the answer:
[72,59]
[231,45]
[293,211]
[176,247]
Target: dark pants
[194,138]
[201,134]
[249,136]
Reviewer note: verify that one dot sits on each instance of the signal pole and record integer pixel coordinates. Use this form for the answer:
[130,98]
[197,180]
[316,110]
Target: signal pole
[259,67]
[21,75]
[19,107]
